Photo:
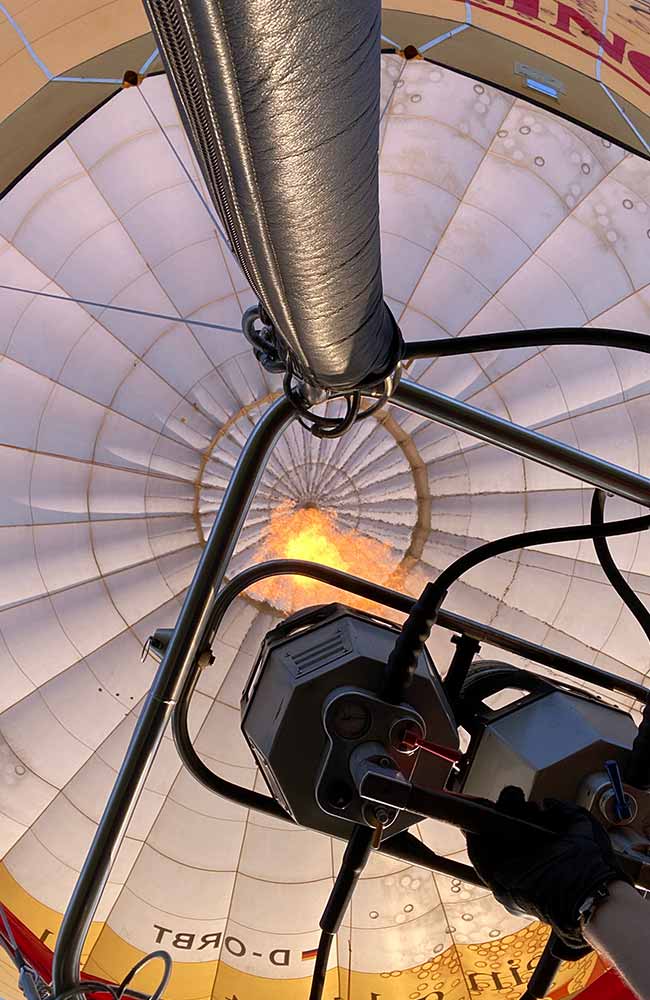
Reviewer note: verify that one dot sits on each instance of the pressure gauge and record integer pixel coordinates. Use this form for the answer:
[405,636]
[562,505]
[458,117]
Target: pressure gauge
[350,719]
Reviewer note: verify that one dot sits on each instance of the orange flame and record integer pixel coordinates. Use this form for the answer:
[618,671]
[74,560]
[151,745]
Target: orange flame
[312,534]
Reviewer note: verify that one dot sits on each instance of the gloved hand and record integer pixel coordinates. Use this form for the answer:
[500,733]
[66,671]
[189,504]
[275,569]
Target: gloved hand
[547,877]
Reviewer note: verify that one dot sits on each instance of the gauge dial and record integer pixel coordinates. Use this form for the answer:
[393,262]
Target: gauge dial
[350,719]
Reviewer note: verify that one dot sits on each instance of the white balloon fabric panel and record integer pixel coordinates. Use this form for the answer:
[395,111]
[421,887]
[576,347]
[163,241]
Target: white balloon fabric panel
[119,430]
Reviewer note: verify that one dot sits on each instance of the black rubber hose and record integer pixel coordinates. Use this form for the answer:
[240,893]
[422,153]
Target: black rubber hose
[636,770]
[89,986]
[544,973]
[611,570]
[354,861]
[404,656]
[344,424]
[550,337]
[320,968]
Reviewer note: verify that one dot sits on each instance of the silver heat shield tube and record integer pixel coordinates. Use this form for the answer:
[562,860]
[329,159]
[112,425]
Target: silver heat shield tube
[280,102]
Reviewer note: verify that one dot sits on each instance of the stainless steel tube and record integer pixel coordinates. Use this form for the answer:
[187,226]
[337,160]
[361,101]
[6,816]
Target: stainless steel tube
[187,637]
[530,444]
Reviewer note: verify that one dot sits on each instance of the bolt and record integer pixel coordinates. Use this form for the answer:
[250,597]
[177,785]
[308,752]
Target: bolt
[385,762]
[382,815]
[339,794]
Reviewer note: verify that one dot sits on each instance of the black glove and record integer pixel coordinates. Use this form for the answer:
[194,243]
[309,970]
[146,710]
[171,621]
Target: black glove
[547,877]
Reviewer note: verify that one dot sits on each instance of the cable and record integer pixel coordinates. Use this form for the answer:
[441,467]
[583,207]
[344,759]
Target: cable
[29,981]
[7,947]
[544,972]
[167,971]
[320,968]
[354,861]
[265,344]
[323,426]
[9,941]
[373,408]
[121,991]
[122,309]
[320,426]
[353,403]
[611,570]
[636,770]
[417,628]
[549,337]
[89,986]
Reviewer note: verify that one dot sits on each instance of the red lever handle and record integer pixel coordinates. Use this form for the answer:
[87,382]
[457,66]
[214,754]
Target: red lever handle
[411,740]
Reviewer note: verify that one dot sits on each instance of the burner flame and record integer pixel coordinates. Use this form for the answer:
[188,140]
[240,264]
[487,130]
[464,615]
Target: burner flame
[314,535]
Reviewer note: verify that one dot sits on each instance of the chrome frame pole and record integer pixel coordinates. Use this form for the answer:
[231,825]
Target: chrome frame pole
[187,638]
[529,444]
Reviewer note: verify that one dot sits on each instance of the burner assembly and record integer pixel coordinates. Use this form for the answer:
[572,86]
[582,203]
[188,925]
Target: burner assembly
[334,752]
[357,736]
[315,720]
